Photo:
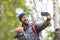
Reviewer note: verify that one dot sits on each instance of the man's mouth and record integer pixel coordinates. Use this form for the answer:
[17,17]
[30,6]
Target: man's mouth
[26,21]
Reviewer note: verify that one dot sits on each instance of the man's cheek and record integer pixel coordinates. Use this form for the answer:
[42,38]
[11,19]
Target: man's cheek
[22,20]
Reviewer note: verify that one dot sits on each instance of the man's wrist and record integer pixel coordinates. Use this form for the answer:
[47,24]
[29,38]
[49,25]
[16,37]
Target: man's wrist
[48,19]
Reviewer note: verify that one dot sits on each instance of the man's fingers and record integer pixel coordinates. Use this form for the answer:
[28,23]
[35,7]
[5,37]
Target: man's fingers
[20,29]
[48,16]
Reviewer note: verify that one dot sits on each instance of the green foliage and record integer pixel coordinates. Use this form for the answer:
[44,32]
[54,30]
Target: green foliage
[41,0]
[9,20]
[59,10]
[50,34]
[30,2]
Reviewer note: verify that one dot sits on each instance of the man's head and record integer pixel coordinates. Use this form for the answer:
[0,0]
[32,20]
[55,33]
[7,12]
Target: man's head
[23,17]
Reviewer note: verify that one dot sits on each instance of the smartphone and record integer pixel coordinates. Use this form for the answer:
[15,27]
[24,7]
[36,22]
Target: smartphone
[44,13]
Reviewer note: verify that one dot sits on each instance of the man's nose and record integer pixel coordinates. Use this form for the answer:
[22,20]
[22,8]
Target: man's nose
[26,18]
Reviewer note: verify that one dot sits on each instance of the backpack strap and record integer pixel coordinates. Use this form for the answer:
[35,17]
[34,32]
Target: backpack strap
[33,28]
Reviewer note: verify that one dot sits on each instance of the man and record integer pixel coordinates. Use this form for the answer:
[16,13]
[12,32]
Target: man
[26,32]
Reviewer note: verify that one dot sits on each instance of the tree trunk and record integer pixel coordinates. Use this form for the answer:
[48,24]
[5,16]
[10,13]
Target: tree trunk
[56,21]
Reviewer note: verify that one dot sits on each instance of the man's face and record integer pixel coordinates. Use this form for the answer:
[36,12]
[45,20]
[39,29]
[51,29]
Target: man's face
[24,19]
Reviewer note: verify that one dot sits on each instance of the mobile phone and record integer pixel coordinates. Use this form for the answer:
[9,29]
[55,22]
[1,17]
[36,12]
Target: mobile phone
[44,13]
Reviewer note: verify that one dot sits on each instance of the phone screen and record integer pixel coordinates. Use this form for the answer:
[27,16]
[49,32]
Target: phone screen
[44,13]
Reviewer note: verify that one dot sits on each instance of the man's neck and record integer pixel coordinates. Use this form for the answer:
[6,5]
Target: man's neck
[25,26]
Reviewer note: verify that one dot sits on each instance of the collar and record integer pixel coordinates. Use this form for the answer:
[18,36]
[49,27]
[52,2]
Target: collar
[27,26]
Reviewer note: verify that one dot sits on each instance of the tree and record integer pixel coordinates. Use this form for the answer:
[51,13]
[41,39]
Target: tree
[56,21]
[8,19]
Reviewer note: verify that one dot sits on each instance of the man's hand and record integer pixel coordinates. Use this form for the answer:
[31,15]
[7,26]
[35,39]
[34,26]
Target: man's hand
[19,29]
[48,19]
[48,16]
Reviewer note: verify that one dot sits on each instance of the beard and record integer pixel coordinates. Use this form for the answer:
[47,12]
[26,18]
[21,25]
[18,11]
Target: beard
[25,22]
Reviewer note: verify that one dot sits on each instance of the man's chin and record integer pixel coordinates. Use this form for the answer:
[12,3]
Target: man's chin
[26,23]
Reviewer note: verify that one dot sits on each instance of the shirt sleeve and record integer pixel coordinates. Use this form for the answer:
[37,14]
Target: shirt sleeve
[20,36]
[40,26]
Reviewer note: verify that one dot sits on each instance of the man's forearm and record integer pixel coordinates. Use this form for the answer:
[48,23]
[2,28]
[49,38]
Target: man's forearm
[48,19]
[45,24]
